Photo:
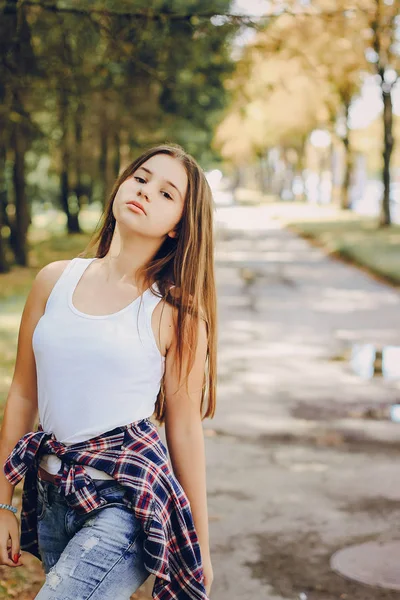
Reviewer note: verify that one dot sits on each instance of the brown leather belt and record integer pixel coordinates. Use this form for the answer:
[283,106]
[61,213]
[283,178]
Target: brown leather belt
[46,476]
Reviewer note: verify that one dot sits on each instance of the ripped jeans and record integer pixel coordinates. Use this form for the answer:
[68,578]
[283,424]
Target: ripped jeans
[97,555]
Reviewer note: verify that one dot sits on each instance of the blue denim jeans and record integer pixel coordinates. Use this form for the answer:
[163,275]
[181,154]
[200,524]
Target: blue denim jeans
[97,555]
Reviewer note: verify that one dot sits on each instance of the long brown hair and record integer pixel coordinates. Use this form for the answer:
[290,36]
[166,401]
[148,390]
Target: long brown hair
[185,262]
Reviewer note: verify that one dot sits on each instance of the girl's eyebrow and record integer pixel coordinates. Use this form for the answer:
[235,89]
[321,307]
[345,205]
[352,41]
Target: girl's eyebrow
[169,182]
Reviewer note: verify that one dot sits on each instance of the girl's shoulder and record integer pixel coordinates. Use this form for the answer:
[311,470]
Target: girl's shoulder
[48,276]
[52,271]
[57,266]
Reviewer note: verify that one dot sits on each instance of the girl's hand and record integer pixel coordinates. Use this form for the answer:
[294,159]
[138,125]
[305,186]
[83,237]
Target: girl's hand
[208,573]
[9,539]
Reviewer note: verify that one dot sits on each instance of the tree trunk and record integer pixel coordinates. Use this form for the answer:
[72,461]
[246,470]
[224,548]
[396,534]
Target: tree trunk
[103,162]
[300,166]
[72,217]
[288,175]
[236,179]
[261,172]
[4,266]
[17,42]
[22,217]
[270,172]
[79,187]
[280,177]
[345,201]
[117,156]
[385,216]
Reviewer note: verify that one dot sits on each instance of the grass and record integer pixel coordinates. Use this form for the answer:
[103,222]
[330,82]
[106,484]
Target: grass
[350,237]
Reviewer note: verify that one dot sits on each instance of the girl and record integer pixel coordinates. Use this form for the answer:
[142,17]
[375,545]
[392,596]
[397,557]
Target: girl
[104,344]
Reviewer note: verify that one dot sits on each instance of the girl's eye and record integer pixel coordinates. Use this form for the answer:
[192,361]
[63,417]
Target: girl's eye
[141,180]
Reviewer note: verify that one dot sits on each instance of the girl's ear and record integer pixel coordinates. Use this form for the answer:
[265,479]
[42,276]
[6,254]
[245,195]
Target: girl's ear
[173,234]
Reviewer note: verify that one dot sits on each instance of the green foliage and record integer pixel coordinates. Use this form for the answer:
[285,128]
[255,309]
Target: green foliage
[156,75]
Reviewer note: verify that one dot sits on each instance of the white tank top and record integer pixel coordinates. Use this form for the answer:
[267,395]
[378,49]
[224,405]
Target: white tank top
[94,373]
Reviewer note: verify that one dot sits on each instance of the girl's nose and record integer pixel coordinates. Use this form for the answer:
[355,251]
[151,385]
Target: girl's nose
[141,193]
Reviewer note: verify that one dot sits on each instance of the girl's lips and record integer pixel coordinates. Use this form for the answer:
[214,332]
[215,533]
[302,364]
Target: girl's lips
[135,207]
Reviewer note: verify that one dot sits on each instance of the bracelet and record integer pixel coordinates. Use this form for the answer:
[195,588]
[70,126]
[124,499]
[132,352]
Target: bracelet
[9,507]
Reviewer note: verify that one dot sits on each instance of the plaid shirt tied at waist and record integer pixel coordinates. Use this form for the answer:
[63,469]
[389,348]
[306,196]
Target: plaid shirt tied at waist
[136,457]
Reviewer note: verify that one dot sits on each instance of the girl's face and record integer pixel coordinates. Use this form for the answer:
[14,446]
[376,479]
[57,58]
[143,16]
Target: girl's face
[159,185]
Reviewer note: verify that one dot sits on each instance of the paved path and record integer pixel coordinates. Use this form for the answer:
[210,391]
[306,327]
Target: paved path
[294,473]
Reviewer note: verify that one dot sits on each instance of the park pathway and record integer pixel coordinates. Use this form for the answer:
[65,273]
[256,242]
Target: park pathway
[301,457]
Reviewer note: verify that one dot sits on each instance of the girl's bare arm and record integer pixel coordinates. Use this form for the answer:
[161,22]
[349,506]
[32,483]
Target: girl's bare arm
[184,433]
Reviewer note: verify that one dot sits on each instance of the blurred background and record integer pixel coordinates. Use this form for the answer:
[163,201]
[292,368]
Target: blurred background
[292,108]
